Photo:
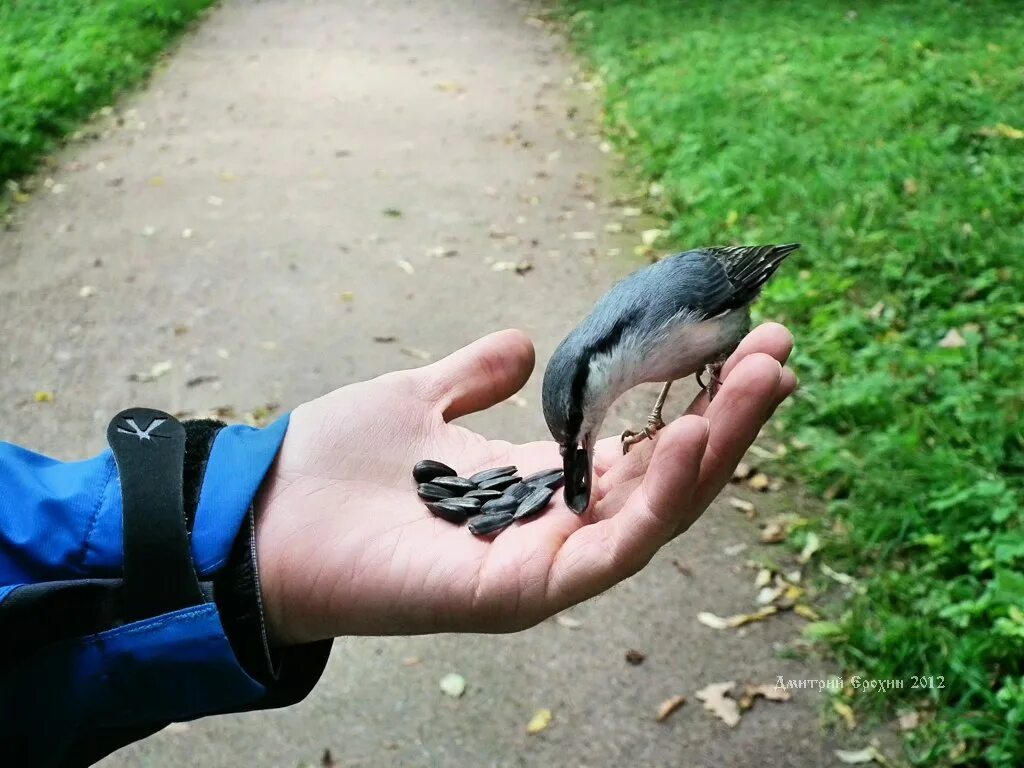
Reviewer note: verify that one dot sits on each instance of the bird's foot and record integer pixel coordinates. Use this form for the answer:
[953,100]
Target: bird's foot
[629,438]
[714,372]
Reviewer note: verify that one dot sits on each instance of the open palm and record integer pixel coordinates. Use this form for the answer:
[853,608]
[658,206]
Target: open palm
[346,546]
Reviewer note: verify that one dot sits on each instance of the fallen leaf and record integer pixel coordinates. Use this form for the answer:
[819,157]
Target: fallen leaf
[406,266]
[759,482]
[186,233]
[805,611]
[411,661]
[742,471]
[734,549]
[148,231]
[215,201]
[259,416]
[742,505]
[568,622]
[909,186]
[449,86]
[845,711]
[668,706]
[518,400]
[440,251]
[631,212]
[682,567]
[43,396]
[763,578]
[158,370]
[811,545]
[766,691]
[385,339]
[860,756]
[347,295]
[540,720]
[453,685]
[583,236]
[909,720]
[613,227]
[635,657]
[952,340]
[519,267]
[650,236]
[768,595]
[419,354]
[717,702]
[1002,130]
[773,533]
[843,578]
[327,760]
[86,291]
[392,213]
[195,381]
[737,620]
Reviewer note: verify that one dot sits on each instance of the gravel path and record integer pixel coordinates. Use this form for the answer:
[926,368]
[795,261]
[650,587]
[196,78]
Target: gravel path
[267,218]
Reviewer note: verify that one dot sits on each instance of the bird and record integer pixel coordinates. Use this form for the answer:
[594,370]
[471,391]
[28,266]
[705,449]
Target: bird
[679,316]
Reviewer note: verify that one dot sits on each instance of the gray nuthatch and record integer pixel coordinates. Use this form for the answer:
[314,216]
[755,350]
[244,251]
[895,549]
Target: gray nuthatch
[680,316]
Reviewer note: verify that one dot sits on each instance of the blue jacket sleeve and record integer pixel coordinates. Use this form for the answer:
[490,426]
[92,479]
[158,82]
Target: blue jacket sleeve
[77,679]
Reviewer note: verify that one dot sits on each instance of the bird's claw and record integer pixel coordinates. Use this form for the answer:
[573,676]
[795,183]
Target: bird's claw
[714,383]
[629,438]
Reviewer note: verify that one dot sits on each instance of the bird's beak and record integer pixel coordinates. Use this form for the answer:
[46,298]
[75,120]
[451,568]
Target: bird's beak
[576,463]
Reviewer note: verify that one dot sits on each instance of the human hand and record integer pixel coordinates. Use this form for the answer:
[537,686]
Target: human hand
[346,547]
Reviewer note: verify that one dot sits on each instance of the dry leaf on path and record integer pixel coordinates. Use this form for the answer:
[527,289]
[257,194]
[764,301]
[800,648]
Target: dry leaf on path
[411,661]
[155,372]
[406,266]
[43,396]
[806,612]
[419,354]
[759,482]
[635,657]
[811,545]
[860,756]
[682,567]
[742,471]
[742,505]
[767,691]
[773,533]
[541,720]
[717,702]
[738,620]
[453,685]
[909,720]
[87,291]
[568,622]
[668,706]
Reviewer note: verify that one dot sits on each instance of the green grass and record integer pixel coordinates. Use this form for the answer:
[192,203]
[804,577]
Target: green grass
[888,141]
[60,60]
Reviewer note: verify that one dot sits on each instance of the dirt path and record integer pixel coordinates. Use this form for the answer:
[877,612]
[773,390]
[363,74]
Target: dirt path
[272,204]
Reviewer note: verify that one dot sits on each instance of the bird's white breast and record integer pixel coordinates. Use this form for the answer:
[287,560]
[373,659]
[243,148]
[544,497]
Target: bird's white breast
[677,350]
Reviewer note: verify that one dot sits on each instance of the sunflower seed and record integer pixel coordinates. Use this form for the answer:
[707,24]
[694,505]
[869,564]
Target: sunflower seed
[549,478]
[453,513]
[484,524]
[498,483]
[503,504]
[432,492]
[428,469]
[483,495]
[464,502]
[457,485]
[490,474]
[519,491]
[533,503]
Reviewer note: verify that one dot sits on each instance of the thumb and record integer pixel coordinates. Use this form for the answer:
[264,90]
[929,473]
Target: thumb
[480,374]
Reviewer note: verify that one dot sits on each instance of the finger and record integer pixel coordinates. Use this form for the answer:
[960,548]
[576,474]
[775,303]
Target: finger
[772,339]
[480,374]
[747,398]
[603,553]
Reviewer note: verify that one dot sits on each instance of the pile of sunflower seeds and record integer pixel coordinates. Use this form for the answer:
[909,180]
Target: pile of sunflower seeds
[489,501]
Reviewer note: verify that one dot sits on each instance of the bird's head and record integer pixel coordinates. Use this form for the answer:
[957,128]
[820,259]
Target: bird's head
[569,415]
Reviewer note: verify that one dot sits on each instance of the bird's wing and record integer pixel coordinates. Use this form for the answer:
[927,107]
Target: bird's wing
[746,268]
